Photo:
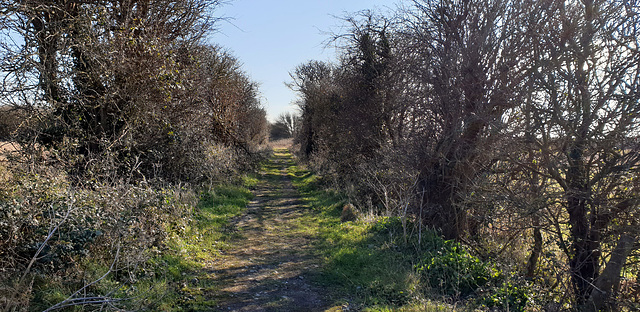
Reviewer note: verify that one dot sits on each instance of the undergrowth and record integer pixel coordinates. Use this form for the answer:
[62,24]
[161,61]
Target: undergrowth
[199,243]
[368,263]
[124,248]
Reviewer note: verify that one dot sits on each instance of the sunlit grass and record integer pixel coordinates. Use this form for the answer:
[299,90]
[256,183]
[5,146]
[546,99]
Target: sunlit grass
[181,284]
[428,306]
[359,258]
[368,263]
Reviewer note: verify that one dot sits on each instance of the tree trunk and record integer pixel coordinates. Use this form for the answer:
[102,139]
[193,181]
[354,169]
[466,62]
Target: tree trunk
[532,263]
[440,205]
[585,249]
[610,277]
[584,262]
[447,179]
[47,40]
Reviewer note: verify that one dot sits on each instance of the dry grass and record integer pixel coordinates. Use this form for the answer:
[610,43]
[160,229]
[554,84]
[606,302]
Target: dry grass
[8,148]
[281,144]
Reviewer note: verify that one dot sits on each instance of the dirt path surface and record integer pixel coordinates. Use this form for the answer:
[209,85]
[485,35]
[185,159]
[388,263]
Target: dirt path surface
[269,265]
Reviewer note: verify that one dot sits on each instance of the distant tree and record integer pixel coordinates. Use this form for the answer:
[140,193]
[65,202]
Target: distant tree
[284,126]
[278,131]
[314,82]
[289,120]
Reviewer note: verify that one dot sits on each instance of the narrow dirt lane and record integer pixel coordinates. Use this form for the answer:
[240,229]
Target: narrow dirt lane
[268,266]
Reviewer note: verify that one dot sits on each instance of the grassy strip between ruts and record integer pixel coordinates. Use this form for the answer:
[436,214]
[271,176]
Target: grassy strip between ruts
[368,264]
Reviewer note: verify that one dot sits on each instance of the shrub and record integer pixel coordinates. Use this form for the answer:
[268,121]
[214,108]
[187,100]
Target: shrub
[513,297]
[54,235]
[453,270]
[9,121]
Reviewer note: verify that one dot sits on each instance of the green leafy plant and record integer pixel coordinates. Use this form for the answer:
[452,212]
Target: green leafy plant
[453,270]
[512,296]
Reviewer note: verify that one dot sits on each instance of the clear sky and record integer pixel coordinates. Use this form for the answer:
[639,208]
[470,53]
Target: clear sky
[272,37]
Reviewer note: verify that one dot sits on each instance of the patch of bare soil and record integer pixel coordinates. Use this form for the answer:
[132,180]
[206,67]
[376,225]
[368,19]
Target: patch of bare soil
[7,148]
[269,265]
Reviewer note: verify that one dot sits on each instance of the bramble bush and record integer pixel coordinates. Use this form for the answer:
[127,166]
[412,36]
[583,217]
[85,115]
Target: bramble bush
[451,269]
[54,234]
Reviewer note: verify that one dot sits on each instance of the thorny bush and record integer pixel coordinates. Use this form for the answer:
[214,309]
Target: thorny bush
[90,225]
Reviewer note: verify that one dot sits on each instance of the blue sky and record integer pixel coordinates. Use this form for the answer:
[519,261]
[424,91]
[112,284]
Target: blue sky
[272,37]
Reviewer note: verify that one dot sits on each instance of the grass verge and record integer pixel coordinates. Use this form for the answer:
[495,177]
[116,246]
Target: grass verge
[368,263]
[194,246]
[172,279]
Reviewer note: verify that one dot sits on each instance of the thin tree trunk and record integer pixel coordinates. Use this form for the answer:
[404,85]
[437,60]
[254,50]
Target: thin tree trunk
[609,279]
[585,251]
[532,263]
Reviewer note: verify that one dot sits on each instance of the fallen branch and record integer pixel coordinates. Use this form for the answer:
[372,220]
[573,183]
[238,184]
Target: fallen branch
[71,301]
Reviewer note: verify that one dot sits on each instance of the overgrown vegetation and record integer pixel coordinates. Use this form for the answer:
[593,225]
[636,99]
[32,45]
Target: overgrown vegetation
[381,269]
[114,116]
[113,247]
[507,126]
[488,150]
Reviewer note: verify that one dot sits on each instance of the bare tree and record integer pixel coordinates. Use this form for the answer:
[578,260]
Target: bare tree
[284,126]
[290,121]
[314,81]
[469,71]
[587,78]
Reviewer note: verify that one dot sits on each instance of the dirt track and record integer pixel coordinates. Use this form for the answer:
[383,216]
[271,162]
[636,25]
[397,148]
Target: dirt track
[269,266]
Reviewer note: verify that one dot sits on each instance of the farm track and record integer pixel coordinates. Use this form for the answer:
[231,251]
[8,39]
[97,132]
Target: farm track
[270,262]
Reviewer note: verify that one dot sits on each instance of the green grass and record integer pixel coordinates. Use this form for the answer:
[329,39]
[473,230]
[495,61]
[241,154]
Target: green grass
[199,243]
[210,230]
[369,263]
[172,280]
[428,306]
[360,258]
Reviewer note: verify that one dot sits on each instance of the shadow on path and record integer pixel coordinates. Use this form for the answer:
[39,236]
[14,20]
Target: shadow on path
[269,264]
